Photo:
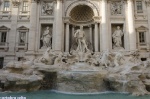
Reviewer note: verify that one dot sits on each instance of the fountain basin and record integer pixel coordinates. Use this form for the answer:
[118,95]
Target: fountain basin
[81,81]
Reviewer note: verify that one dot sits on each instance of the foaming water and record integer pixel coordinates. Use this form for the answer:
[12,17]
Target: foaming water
[90,93]
[53,94]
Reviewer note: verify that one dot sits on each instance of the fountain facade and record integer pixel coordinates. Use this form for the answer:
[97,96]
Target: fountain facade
[89,46]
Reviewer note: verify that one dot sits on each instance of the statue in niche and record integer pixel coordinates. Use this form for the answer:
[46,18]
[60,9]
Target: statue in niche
[46,37]
[81,40]
[47,8]
[116,8]
[117,38]
[22,37]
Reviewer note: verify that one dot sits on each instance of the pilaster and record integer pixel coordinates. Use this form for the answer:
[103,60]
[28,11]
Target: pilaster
[131,25]
[32,30]
[148,13]
[104,26]
[58,26]
[13,30]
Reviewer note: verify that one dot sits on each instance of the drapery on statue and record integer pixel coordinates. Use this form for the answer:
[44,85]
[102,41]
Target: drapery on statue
[81,40]
[46,37]
[116,36]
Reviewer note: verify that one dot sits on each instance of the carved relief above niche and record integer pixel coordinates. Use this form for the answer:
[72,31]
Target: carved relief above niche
[47,8]
[116,7]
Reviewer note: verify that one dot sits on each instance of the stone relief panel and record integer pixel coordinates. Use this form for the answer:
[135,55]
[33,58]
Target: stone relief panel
[47,8]
[116,7]
[117,36]
[46,36]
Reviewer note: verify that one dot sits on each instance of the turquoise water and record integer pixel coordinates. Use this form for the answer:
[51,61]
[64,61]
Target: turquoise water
[55,95]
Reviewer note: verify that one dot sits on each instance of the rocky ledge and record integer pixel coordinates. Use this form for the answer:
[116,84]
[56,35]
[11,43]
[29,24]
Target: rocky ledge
[107,71]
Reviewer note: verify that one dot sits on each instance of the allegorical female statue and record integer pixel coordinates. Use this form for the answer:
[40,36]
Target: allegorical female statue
[46,37]
[116,36]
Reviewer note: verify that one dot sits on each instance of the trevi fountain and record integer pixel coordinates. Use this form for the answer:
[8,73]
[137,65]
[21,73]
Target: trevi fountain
[69,49]
[80,71]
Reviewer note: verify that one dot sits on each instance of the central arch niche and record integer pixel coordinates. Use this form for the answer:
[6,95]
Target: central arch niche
[81,14]
[77,14]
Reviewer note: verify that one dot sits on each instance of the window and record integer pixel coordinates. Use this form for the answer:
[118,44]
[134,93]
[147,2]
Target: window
[3,36]
[25,6]
[6,6]
[139,7]
[1,62]
[142,37]
[22,38]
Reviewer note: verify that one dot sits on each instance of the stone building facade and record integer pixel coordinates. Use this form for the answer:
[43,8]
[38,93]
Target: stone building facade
[28,27]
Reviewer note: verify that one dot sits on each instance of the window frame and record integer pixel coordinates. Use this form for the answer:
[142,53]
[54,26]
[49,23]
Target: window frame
[144,38]
[136,7]
[2,30]
[3,39]
[25,6]
[6,8]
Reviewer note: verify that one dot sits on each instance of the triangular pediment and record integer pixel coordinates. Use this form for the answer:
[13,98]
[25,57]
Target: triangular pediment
[142,28]
[23,28]
[4,27]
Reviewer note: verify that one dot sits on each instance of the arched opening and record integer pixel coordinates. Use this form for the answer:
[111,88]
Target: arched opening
[81,14]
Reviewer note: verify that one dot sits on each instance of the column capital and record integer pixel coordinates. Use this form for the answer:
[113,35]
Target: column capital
[16,3]
[37,1]
[130,0]
[147,2]
[97,19]
[66,19]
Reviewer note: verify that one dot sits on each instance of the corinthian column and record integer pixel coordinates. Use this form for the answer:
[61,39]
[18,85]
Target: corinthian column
[58,26]
[104,26]
[96,37]
[131,27]
[67,38]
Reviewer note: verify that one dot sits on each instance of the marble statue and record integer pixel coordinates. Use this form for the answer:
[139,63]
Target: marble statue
[81,40]
[117,38]
[46,37]
[48,57]
[22,37]
[105,58]
[117,59]
[47,8]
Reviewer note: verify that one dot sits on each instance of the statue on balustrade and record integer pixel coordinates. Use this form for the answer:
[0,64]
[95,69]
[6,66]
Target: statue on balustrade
[46,38]
[117,38]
